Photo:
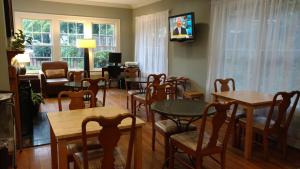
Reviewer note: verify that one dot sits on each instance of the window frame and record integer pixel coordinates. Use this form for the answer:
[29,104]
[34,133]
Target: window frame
[55,30]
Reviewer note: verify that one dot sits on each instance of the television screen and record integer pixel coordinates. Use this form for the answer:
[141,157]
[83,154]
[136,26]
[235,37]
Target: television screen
[114,58]
[182,27]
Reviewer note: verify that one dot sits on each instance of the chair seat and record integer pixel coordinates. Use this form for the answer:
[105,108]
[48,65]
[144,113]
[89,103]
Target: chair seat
[57,81]
[76,146]
[132,92]
[170,127]
[190,139]
[95,159]
[259,122]
[140,96]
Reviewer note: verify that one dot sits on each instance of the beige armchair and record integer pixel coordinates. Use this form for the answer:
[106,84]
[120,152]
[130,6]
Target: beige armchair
[53,77]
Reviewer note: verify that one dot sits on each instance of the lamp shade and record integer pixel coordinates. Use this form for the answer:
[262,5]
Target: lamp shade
[23,58]
[86,43]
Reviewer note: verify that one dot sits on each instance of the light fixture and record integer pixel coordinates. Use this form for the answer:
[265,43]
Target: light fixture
[22,59]
[86,44]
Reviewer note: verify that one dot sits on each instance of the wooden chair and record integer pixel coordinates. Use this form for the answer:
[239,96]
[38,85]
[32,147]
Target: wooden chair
[76,76]
[165,127]
[109,156]
[114,73]
[77,102]
[277,121]
[94,87]
[225,85]
[132,88]
[156,80]
[198,144]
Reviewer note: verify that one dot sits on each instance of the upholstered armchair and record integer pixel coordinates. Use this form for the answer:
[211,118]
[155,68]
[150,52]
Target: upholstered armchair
[53,77]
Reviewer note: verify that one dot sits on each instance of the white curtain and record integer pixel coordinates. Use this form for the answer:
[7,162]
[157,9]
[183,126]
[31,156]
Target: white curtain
[151,42]
[257,42]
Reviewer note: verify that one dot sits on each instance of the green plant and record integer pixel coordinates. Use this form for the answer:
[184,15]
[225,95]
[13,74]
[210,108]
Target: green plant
[36,98]
[17,42]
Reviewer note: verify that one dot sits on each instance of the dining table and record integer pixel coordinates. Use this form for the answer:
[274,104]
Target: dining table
[66,126]
[249,100]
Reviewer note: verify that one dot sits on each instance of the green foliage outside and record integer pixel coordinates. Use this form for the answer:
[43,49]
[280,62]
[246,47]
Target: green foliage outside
[100,59]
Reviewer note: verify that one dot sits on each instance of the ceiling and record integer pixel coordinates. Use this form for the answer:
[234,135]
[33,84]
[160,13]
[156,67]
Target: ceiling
[131,4]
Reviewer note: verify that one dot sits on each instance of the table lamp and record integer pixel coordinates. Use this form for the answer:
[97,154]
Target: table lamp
[86,44]
[22,60]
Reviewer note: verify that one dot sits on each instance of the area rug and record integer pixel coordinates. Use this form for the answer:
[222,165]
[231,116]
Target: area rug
[41,131]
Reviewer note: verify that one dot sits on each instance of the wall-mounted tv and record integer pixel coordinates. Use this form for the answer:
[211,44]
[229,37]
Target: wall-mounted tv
[182,27]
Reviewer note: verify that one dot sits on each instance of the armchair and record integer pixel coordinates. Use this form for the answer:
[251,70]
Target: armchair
[53,76]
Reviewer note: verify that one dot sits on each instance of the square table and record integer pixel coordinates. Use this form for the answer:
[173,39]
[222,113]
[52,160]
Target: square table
[248,100]
[66,126]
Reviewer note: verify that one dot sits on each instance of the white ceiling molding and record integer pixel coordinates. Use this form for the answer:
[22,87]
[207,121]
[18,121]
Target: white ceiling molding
[130,4]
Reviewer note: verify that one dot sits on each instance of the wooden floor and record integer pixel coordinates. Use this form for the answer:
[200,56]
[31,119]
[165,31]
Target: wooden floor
[40,157]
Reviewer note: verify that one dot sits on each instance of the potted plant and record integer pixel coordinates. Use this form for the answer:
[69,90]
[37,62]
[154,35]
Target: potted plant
[16,44]
[36,99]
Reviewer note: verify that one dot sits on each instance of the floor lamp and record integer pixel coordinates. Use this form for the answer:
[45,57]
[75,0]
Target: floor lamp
[86,44]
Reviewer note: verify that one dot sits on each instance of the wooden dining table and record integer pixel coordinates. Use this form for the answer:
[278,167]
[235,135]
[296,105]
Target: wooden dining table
[249,100]
[66,126]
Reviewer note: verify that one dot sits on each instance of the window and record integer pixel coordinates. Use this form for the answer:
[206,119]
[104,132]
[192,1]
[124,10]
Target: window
[105,41]
[54,38]
[69,32]
[41,47]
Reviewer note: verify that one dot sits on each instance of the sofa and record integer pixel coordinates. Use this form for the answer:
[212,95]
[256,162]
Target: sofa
[53,76]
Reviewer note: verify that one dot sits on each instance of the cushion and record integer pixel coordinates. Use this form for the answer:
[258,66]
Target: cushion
[141,96]
[95,158]
[190,139]
[57,81]
[76,146]
[55,73]
[170,127]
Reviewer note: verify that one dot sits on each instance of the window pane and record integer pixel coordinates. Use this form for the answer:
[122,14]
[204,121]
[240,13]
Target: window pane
[46,26]
[80,28]
[41,48]
[72,28]
[73,56]
[95,29]
[100,58]
[63,27]
[102,29]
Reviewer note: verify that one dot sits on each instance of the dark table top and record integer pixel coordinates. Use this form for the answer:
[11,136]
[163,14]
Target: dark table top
[180,108]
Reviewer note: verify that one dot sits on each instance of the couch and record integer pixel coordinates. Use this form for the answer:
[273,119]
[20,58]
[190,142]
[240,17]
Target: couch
[53,76]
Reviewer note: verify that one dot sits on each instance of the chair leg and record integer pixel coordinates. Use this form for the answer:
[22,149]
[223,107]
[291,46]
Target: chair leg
[172,156]
[223,160]
[234,135]
[284,147]
[167,147]
[153,138]
[147,111]
[133,110]
[266,145]
[127,101]
[199,162]
[104,97]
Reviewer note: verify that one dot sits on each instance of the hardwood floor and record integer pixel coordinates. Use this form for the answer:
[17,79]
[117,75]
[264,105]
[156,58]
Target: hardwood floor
[40,157]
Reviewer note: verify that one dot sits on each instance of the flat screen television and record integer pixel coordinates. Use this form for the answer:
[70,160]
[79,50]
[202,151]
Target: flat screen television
[115,58]
[182,27]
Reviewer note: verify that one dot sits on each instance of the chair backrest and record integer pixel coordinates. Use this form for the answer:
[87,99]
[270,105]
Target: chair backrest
[131,72]
[55,65]
[224,85]
[76,99]
[156,79]
[109,137]
[182,81]
[216,141]
[76,76]
[114,71]
[161,92]
[286,103]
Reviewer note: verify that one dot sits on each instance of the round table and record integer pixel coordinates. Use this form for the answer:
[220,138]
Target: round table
[84,85]
[182,111]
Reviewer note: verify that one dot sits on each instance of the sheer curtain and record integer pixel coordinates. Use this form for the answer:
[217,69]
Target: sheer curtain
[257,42]
[151,42]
